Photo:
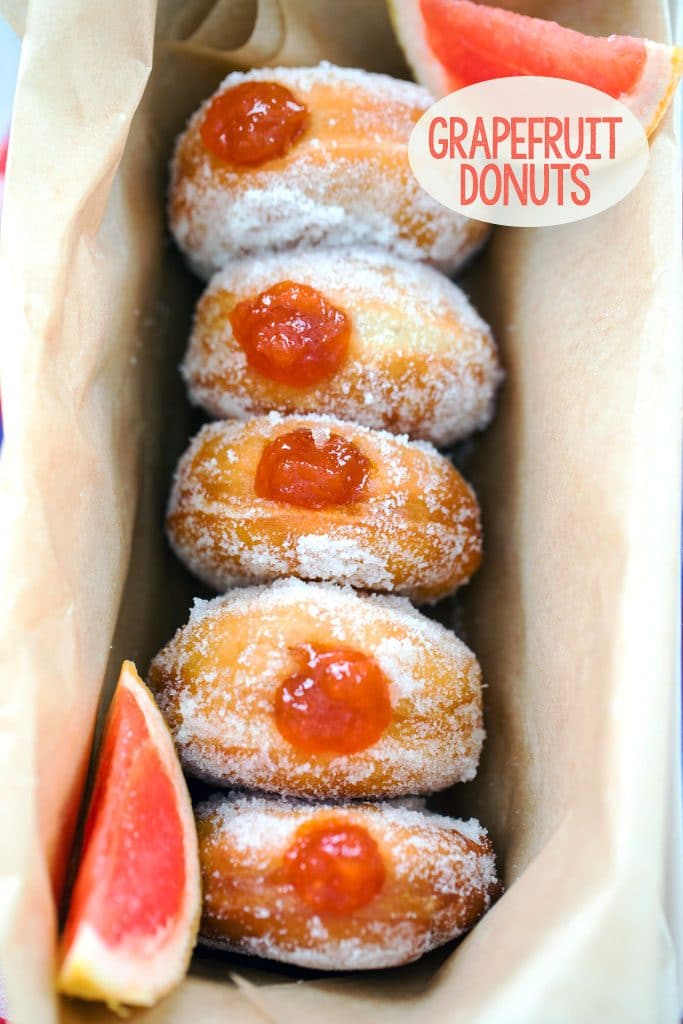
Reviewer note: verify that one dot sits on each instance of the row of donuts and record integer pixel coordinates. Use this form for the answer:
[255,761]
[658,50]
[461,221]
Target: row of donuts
[322,352]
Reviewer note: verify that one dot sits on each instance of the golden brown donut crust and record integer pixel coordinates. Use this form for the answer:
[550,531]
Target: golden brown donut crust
[216,683]
[420,360]
[416,531]
[346,181]
[440,879]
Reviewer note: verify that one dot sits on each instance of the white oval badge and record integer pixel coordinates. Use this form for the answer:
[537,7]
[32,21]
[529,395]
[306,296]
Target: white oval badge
[528,151]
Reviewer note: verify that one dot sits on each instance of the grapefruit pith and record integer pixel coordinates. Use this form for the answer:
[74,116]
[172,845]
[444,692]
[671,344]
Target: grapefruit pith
[135,906]
[454,43]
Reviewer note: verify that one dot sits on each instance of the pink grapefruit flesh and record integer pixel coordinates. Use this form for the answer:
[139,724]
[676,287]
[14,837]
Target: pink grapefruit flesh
[455,43]
[134,910]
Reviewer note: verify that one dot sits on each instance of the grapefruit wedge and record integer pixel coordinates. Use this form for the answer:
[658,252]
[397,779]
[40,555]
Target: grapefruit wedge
[134,911]
[454,43]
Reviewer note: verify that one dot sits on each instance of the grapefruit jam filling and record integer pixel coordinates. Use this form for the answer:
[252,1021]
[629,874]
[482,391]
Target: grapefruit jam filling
[308,470]
[337,703]
[476,43]
[252,123]
[335,867]
[290,333]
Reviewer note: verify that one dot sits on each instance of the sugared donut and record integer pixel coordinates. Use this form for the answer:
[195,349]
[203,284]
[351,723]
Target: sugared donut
[309,689]
[358,334]
[280,157]
[322,499]
[345,887]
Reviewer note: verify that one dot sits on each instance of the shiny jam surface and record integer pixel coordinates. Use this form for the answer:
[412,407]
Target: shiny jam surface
[334,866]
[253,122]
[312,470]
[337,703]
[291,334]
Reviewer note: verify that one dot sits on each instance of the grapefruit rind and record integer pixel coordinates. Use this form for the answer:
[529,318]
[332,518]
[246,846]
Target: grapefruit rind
[663,64]
[409,27]
[91,969]
[662,69]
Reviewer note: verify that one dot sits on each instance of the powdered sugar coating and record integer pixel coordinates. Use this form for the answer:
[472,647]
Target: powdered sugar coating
[216,683]
[416,530]
[440,878]
[421,361]
[345,182]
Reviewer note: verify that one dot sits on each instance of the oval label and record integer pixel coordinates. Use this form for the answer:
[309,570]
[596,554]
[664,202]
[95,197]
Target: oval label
[528,151]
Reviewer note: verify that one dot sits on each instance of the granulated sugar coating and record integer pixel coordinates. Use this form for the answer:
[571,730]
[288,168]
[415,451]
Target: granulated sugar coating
[216,683]
[440,878]
[420,360]
[344,182]
[414,531]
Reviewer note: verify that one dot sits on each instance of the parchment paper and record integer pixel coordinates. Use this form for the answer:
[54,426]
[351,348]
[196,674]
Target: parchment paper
[574,617]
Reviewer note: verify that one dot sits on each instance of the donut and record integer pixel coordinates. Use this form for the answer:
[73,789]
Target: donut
[312,690]
[281,157]
[338,887]
[361,335]
[322,499]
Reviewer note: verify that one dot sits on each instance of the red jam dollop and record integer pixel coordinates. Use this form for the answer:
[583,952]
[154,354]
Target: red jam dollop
[290,333]
[252,123]
[308,471]
[338,703]
[334,867]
